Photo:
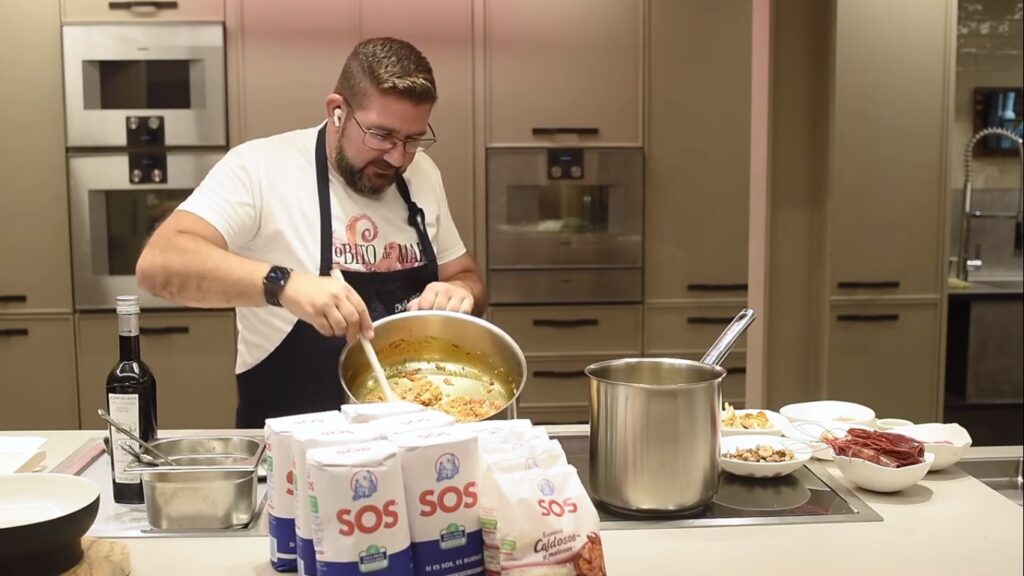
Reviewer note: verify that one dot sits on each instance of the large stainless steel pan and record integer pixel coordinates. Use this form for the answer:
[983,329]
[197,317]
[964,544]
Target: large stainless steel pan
[459,355]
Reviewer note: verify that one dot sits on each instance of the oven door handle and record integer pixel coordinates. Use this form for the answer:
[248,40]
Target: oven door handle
[573,323]
[143,7]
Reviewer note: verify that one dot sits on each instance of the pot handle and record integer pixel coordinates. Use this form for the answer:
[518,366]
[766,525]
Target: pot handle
[730,335]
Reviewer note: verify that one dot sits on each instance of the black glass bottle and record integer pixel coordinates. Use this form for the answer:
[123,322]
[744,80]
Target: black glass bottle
[131,400]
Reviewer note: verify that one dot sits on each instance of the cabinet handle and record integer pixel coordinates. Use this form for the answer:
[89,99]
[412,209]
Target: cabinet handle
[576,323]
[559,373]
[138,6]
[867,318]
[736,370]
[551,130]
[13,331]
[709,320]
[160,330]
[881,284]
[716,287]
[13,298]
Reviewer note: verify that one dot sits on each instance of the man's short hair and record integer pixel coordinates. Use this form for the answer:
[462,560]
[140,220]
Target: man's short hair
[387,66]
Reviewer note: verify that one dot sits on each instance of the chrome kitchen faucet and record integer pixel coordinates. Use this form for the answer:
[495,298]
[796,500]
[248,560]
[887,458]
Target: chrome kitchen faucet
[964,265]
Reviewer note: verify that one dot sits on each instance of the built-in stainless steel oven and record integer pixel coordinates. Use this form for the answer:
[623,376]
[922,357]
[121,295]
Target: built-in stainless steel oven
[117,201]
[158,84]
[565,225]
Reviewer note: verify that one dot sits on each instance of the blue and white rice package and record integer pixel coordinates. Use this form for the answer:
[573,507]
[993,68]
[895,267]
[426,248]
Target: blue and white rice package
[484,425]
[281,482]
[411,422]
[359,413]
[545,523]
[441,486]
[358,510]
[304,440]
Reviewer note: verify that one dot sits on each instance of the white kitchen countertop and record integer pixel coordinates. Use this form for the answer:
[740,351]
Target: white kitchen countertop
[949,523]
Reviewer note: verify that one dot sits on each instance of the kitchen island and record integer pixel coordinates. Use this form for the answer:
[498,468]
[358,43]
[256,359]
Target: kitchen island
[950,523]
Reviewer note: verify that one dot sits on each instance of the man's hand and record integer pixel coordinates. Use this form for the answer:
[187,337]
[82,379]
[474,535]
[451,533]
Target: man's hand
[332,307]
[451,296]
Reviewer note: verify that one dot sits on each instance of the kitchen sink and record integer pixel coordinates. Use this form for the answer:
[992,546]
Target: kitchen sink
[1000,474]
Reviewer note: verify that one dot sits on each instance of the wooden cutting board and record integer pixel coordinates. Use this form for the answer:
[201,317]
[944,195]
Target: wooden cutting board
[102,558]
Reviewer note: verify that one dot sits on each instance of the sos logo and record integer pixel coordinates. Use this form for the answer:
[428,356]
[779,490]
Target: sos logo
[449,499]
[368,519]
[290,479]
[559,508]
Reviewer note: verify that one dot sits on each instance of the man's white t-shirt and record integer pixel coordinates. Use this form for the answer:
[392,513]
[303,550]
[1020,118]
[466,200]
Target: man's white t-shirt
[262,198]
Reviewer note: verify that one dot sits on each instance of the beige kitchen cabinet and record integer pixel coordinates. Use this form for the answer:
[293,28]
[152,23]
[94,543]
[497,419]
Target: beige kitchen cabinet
[734,385]
[284,59]
[557,390]
[698,152]
[888,152]
[674,329]
[161,11]
[191,354]
[37,373]
[35,256]
[610,331]
[566,72]
[885,356]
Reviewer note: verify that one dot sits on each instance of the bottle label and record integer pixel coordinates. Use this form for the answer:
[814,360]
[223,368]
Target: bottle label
[124,408]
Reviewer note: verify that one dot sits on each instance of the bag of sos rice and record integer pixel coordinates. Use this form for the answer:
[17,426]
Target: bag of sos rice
[441,474]
[304,440]
[360,413]
[545,525]
[358,510]
[281,482]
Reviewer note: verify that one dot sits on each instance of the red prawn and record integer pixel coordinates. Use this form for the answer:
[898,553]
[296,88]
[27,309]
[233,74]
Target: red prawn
[883,448]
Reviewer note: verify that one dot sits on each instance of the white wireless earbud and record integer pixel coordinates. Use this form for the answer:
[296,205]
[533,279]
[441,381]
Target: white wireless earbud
[337,117]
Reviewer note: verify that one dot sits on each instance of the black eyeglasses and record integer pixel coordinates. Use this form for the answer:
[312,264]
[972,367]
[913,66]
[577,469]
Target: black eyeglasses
[377,140]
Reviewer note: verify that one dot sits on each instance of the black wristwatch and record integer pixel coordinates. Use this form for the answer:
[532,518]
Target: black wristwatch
[274,282]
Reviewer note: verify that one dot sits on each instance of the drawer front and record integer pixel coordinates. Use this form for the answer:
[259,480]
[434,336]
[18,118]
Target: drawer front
[549,330]
[545,286]
[684,329]
[170,11]
[28,400]
[192,356]
[557,390]
[886,357]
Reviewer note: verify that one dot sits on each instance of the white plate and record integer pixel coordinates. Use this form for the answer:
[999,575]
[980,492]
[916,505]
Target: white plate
[810,432]
[21,453]
[934,437]
[871,476]
[828,411]
[32,498]
[774,419]
[761,469]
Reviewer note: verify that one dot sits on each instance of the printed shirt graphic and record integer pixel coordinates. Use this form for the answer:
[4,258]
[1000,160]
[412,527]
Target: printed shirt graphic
[362,249]
[262,198]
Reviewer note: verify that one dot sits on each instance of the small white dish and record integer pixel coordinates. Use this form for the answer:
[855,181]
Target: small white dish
[948,442]
[828,411]
[886,424]
[775,420]
[871,476]
[762,469]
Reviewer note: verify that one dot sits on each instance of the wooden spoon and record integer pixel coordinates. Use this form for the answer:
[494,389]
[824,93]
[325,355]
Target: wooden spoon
[371,355]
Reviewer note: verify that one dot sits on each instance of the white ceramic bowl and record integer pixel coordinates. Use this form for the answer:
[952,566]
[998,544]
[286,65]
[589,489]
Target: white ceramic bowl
[762,469]
[871,476]
[935,437]
[828,411]
[810,432]
[775,419]
[886,424]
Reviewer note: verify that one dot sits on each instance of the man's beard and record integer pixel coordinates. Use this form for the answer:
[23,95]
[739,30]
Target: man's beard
[357,179]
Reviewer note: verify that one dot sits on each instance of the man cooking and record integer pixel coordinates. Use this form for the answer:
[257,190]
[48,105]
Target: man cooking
[267,225]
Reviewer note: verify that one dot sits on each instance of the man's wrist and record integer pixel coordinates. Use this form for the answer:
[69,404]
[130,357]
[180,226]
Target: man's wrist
[274,283]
